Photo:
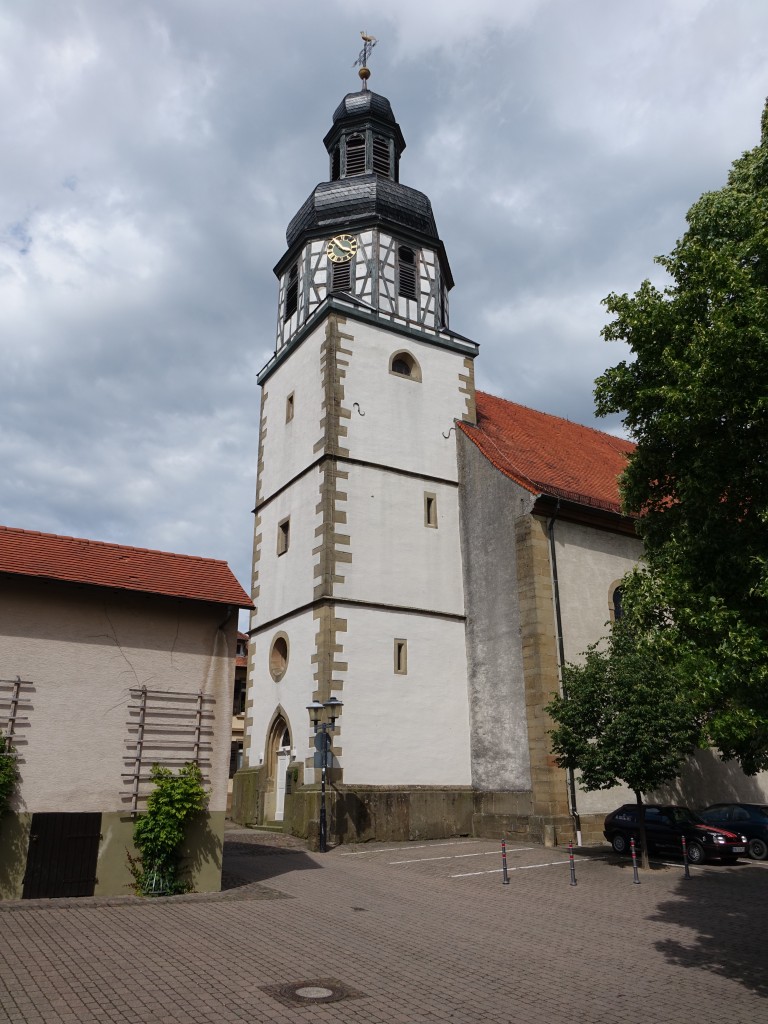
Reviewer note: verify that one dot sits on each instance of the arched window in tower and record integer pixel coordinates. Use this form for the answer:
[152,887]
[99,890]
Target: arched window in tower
[355,155]
[381,160]
[616,604]
[292,292]
[403,364]
[336,164]
[406,272]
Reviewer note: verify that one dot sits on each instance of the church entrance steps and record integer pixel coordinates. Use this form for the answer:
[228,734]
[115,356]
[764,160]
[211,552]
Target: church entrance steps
[270,826]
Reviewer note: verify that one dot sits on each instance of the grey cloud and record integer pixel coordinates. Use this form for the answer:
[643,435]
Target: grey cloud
[155,152]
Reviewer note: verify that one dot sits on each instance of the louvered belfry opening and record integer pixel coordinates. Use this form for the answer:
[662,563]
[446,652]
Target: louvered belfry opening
[292,292]
[336,164]
[355,154]
[342,277]
[406,272]
[381,160]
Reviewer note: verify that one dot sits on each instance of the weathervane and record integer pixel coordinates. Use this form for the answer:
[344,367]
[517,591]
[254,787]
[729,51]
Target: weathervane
[368,44]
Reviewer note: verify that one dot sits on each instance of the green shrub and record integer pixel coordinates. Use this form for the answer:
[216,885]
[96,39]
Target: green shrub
[159,833]
[9,773]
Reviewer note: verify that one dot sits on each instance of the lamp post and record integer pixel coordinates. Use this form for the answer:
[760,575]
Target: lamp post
[329,709]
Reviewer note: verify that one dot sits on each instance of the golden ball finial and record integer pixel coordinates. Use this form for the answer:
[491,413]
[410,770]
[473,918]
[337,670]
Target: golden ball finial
[365,73]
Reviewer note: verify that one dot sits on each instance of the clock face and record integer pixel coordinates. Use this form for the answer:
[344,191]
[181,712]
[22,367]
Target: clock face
[341,248]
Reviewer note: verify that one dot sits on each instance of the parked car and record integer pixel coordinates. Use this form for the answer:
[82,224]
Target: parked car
[750,820]
[665,827]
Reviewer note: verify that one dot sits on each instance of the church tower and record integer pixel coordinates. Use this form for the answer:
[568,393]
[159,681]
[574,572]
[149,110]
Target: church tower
[357,572]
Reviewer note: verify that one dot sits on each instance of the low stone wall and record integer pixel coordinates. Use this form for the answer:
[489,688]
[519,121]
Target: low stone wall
[371,813]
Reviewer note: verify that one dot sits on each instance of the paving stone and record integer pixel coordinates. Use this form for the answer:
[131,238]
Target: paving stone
[422,932]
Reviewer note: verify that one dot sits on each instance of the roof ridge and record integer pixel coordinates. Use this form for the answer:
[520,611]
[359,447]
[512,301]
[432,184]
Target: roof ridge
[555,416]
[110,544]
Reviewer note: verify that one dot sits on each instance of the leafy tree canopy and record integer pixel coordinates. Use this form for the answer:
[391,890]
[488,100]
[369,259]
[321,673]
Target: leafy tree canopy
[623,717]
[695,399]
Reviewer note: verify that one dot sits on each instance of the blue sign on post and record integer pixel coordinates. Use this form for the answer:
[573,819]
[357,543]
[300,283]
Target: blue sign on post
[321,740]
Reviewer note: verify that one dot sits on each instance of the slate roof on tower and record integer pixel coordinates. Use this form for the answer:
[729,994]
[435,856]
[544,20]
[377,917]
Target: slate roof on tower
[365,197]
[550,455]
[75,560]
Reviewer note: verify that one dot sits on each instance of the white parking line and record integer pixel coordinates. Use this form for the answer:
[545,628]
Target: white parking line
[459,856]
[421,860]
[423,846]
[519,867]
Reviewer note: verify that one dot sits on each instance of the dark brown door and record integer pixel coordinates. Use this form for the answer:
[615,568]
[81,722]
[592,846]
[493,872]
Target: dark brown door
[62,855]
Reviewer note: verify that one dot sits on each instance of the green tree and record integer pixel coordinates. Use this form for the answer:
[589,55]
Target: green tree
[695,399]
[623,717]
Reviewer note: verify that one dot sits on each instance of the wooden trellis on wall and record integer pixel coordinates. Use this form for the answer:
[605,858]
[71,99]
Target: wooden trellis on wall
[15,703]
[168,728]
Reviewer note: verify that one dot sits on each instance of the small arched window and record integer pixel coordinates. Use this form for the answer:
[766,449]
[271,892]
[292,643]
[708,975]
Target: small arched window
[616,605]
[355,155]
[403,364]
[292,292]
[381,160]
[406,272]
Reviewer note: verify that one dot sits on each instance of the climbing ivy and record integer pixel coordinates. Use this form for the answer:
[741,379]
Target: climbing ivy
[9,773]
[159,833]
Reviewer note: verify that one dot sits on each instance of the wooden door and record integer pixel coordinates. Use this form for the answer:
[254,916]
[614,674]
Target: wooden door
[62,855]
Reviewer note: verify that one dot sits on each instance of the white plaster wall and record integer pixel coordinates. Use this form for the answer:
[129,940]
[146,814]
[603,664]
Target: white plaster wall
[291,694]
[404,730]
[84,648]
[404,419]
[289,447]
[286,581]
[396,559]
[589,561]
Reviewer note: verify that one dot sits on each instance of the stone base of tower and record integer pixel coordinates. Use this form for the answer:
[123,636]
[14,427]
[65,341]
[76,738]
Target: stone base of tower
[362,814]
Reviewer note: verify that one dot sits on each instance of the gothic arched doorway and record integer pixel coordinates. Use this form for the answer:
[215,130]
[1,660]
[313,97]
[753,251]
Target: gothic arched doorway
[278,758]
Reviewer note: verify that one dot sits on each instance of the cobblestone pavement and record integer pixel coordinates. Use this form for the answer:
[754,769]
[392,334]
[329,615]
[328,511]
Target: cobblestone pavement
[404,933]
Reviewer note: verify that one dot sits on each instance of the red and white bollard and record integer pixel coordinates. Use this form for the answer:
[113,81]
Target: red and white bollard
[635,879]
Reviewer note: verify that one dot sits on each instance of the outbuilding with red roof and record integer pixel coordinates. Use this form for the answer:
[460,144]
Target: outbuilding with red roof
[112,658]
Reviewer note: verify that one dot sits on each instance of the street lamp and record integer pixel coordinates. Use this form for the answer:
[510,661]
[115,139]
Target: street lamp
[332,709]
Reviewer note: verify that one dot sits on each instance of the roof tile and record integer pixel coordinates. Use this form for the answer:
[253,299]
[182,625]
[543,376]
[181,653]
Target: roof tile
[550,455]
[74,560]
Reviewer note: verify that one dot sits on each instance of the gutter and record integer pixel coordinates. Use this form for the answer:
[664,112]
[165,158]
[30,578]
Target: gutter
[561,664]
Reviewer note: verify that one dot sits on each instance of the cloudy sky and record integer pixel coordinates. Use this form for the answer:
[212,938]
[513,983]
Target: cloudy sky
[155,150]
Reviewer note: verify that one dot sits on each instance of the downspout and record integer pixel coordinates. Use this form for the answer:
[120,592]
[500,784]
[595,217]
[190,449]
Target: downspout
[561,664]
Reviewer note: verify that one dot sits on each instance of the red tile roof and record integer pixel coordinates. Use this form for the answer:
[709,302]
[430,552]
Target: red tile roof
[73,560]
[549,455]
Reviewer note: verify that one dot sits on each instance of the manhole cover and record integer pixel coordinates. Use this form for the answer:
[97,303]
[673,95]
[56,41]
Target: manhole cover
[317,990]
